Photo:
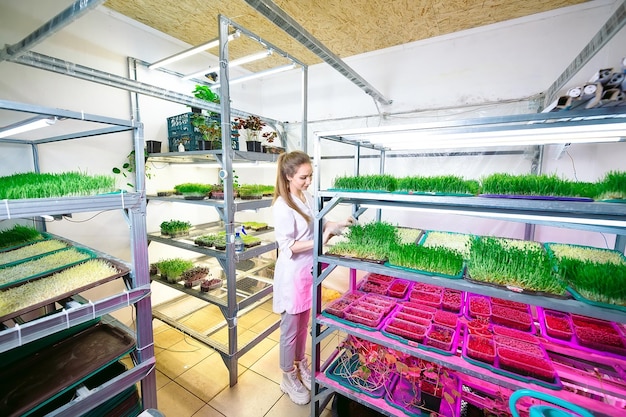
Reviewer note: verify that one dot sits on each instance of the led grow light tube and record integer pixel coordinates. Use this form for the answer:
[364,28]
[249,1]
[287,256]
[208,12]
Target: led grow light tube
[258,75]
[234,63]
[26,126]
[191,51]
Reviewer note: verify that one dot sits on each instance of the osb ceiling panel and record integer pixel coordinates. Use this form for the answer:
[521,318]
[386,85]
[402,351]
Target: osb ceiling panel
[346,27]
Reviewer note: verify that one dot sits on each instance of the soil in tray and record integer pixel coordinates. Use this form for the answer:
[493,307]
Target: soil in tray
[414,316]
[380,278]
[374,287]
[30,382]
[520,345]
[509,304]
[337,308]
[526,364]
[429,288]
[387,303]
[446,318]
[398,288]
[421,307]
[600,339]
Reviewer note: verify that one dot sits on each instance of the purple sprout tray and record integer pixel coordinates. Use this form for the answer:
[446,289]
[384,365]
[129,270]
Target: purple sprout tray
[573,341]
[537,197]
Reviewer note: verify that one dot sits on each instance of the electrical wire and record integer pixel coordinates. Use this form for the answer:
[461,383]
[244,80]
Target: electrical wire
[573,165]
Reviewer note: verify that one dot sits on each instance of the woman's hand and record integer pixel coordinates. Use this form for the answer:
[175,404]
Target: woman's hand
[348,222]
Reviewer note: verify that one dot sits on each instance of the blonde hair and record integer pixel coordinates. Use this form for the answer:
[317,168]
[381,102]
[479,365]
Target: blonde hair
[288,165]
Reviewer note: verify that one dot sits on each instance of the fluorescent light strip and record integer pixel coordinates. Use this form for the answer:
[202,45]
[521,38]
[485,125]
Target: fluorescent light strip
[232,64]
[540,136]
[26,126]
[259,74]
[191,51]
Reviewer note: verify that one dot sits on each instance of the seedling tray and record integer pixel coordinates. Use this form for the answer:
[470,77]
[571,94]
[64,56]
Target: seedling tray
[592,343]
[476,307]
[122,270]
[468,277]
[536,197]
[31,383]
[44,236]
[342,370]
[19,280]
[4,254]
[510,367]
[372,261]
[459,275]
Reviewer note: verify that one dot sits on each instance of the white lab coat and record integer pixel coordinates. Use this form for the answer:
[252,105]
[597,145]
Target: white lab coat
[292,274]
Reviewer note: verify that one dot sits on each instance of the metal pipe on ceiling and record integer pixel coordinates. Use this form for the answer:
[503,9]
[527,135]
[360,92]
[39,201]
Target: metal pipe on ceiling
[67,16]
[613,25]
[281,19]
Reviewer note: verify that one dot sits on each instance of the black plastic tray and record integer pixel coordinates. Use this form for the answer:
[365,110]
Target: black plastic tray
[33,382]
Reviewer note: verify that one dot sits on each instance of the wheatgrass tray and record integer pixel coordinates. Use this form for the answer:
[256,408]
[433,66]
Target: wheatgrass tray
[29,296]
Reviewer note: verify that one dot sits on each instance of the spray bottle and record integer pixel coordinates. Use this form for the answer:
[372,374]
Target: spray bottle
[239,245]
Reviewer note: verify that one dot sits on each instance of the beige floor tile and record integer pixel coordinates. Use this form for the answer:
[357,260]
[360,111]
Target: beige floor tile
[253,396]
[174,400]
[205,319]
[161,380]
[167,338]
[206,379]
[257,352]
[208,411]
[252,317]
[286,408]
[265,323]
[182,356]
[269,365]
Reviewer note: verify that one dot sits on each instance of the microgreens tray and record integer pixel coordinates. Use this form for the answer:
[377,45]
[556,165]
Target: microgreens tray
[498,313]
[366,311]
[43,236]
[514,363]
[433,193]
[81,255]
[31,251]
[459,275]
[537,197]
[559,328]
[429,329]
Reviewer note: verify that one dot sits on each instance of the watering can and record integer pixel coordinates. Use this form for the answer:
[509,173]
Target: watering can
[546,410]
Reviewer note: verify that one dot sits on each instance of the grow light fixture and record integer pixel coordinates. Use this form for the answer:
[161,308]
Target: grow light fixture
[405,139]
[26,126]
[191,51]
[259,74]
[234,63]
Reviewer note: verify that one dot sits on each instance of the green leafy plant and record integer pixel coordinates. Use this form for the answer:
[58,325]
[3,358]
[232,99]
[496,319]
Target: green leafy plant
[600,282]
[129,167]
[436,259]
[19,234]
[193,188]
[528,269]
[438,184]
[210,129]
[175,227]
[367,182]
[251,122]
[373,241]
[47,185]
[543,185]
[172,269]
[203,92]
[612,186]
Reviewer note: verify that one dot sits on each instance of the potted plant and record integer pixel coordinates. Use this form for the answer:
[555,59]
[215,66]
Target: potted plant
[253,126]
[211,133]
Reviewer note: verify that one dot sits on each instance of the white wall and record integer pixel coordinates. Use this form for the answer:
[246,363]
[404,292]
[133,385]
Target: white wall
[502,63]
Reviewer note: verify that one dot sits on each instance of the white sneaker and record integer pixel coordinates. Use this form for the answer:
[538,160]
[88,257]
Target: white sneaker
[292,386]
[305,373]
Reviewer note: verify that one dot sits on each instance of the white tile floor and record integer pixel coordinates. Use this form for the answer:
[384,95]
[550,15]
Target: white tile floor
[192,380]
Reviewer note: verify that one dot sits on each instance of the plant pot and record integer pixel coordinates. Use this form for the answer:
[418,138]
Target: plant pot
[216,195]
[153,146]
[209,145]
[253,146]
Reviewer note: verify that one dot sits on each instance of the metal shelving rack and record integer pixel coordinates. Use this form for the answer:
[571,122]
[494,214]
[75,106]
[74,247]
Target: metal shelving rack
[595,216]
[133,204]
[234,304]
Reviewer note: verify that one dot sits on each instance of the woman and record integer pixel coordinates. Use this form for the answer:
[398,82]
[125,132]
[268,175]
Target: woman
[293,228]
